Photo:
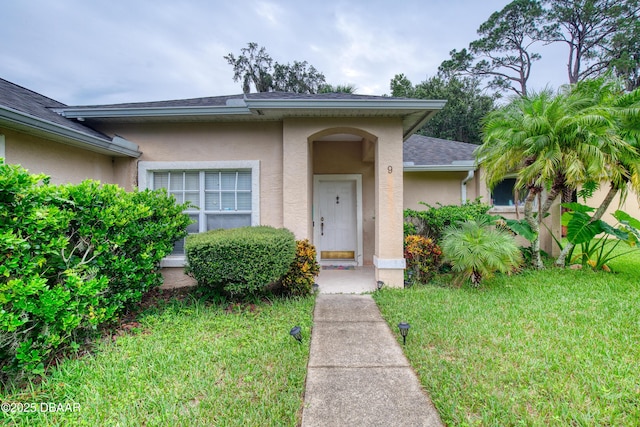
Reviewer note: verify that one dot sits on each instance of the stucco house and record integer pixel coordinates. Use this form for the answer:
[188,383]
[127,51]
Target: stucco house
[337,169]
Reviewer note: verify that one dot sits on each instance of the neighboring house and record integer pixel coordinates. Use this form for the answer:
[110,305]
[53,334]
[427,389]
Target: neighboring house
[439,171]
[41,140]
[337,169]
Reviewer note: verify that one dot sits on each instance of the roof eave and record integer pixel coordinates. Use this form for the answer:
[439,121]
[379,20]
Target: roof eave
[127,112]
[22,121]
[346,104]
[462,167]
[256,107]
[415,126]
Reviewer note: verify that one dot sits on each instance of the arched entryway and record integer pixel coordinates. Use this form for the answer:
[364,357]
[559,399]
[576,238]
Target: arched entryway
[366,147]
[343,169]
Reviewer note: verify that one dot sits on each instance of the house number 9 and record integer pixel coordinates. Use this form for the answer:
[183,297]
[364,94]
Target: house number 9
[389,169]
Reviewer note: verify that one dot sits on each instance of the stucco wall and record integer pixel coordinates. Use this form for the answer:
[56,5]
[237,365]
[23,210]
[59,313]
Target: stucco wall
[284,150]
[217,142]
[434,187]
[389,248]
[345,157]
[64,163]
[386,134]
[630,205]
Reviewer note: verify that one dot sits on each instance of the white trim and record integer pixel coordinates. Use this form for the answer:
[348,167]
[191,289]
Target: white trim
[456,166]
[389,263]
[147,168]
[110,112]
[19,120]
[506,208]
[347,104]
[2,148]
[438,168]
[248,106]
[316,203]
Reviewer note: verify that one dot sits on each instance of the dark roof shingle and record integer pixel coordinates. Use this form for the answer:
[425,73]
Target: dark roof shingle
[213,101]
[26,101]
[425,150]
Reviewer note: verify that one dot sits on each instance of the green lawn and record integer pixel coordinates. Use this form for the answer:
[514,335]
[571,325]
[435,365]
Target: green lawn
[190,364]
[556,347]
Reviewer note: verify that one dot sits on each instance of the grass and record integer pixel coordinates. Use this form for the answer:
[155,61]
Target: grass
[553,347]
[627,262]
[556,347]
[189,364]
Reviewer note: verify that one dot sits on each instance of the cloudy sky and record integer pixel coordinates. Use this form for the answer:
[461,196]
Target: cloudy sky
[110,51]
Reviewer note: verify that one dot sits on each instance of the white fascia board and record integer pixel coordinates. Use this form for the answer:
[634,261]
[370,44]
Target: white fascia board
[99,112]
[117,145]
[347,104]
[440,168]
[120,141]
[249,106]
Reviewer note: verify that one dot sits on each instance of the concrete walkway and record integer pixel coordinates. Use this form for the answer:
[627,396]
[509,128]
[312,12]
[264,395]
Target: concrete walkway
[356,281]
[357,373]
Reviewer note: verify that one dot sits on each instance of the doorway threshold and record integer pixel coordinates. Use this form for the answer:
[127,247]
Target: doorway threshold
[356,280]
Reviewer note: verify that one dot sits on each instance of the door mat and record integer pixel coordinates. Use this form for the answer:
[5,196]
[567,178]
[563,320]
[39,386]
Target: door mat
[338,267]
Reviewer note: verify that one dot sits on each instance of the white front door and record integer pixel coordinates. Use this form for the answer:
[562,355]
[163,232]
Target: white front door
[336,219]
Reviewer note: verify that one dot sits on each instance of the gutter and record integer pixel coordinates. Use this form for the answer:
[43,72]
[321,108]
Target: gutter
[21,121]
[433,106]
[347,104]
[459,166]
[113,112]
[463,186]
[246,106]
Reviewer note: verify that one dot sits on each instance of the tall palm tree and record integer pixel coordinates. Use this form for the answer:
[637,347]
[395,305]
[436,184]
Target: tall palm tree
[619,114]
[553,142]
[523,138]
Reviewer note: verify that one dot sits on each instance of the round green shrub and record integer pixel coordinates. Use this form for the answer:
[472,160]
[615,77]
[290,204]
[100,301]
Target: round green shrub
[240,261]
[477,250]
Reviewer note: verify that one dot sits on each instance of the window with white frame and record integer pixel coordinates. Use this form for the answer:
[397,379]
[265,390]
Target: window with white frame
[220,194]
[506,195]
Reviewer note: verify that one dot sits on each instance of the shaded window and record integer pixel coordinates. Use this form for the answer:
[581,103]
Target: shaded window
[503,194]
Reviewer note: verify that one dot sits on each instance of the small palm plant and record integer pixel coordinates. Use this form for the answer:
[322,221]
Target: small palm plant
[477,249]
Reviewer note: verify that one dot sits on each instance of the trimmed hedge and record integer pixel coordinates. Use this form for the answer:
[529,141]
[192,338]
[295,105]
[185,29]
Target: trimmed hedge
[240,261]
[130,232]
[72,258]
[432,222]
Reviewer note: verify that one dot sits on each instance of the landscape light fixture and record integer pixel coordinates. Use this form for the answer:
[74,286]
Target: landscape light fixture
[409,279]
[296,333]
[404,330]
[380,284]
